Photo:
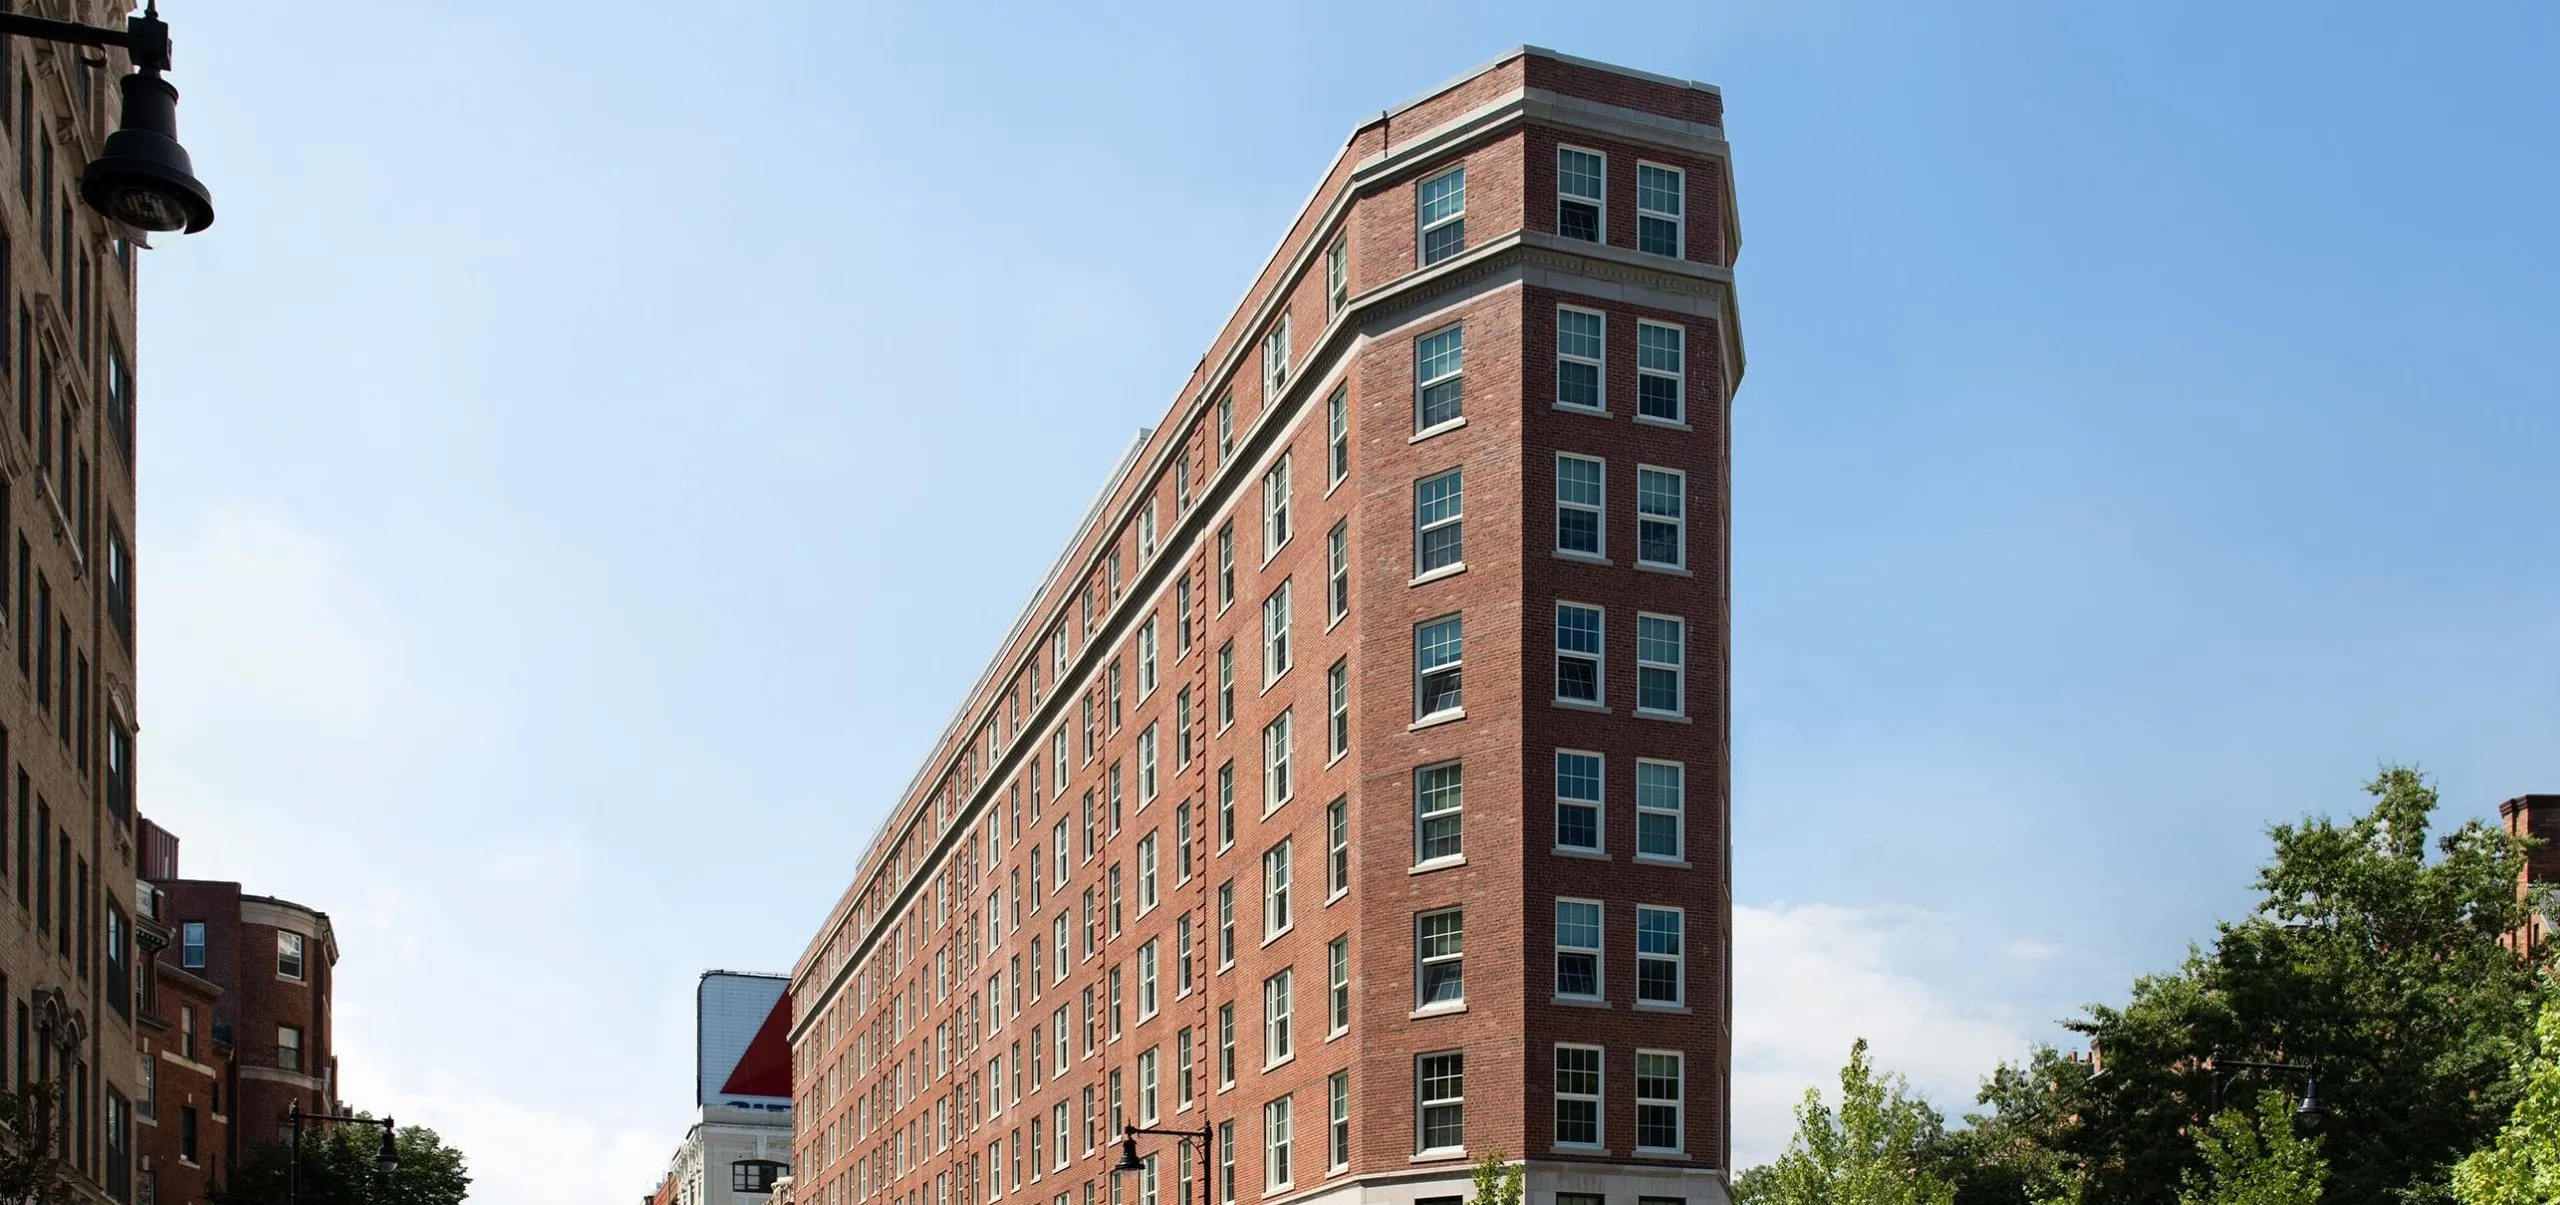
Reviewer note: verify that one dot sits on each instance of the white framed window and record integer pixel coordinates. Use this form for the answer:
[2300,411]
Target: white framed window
[1337,1012]
[1660,792]
[1337,709]
[1182,974]
[1661,370]
[1438,393]
[1226,1163]
[1276,918]
[1337,845]
[1581,357]
[1436,667]
[1275,360]
[1582,194]
[1226,1046]
[1181,617]
[1442,1099]
[1275,508]
[1146,658]
[1058,761]
[1578,1095]
[1226,420]
[1182,1070]
[1658,977]
[1276,1047]
[1440,972]
[1182,481]
[1182,729]
[1579,641]
[1662,517]
[1148,1080]
[1659,191]
[1278,787]
[1582,494]
[1147,765]
[1578,949]
[1338,1127]
[1058,961]
[1275,1146]
[1440,205]
[1183,859]
[1439,521]
[1439,796]
[1147,874]
[1226,684]
[1658,1121]
[1147,533]
[288,955]
[1660,656]
[1058,657]
[1337,427]
[1337,276]
[1275,634]
[1226,565]
[1147,980]
[1337,571]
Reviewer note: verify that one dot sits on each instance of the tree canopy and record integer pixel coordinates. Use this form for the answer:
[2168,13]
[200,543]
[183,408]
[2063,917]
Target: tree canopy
[1877,1150]
[339,1168]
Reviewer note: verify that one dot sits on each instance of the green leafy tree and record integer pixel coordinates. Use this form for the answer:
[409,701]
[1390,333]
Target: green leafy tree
[1497,1182]
[2522,1167]
[2005,1155]
[1879,1149]
[2365,952]
[339,1168]
[31,1139]
[2266,1163]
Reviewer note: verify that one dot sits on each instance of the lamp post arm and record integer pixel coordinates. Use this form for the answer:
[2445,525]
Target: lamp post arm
[145,37]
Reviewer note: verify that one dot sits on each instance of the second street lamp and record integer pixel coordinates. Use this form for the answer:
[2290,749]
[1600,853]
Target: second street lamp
[2307,1114]
[142,177]
[1131,1164]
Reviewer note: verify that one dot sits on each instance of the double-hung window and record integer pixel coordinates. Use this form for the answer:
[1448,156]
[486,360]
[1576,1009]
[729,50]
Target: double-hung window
[1337,847]
[1226,426]
[1438,393]
[1581,496]
[1659,658]
[1578,776]
[1438,805]
[1182,973]
[1275,891]
[1182,729]
[1581,342]
[1337,428]
[1578,653]
[1147,895]
[1658,978]
[1226,924]
[1337,957]
[1275,634]
[1275,1145]
[1658,1101]
[1338,1127]
[1659,792]
[1337,276]
[1660,371]
[1277,785]
[1275,508]
[1578,949]
[1337,572]
[1147,533]
[1441,207]
[1337,709]
[1276,1047]
[1226,1046]
[1442,1093]
[1439,521]
[1147,980]
[1275,360]
[1662,511]
[1577,1095]
[1181,618]
[1226,684]
[1581,194]
[1226,565]
[1436,649]
[1658,209]
[1147,765]
[1440,950]
[1146,658]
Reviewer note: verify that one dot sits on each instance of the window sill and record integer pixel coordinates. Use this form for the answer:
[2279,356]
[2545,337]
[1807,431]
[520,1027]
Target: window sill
[1664,570]
[1600,559]
[1335,484]
[1437,1010]
[1651,1006]
[1330,762]
[1282,1061]
[1442,429]
[1284,932]
[1439,1155]
[1448,863]
[1342,894]
[1335,621]
[1437,718]
[1338,1034]
[1667,717]
[1593,411]
[1576,1002]
[1569,851]
[1582,705]
[1659,860]
[1642,1154]
[1274,680]
[1568,1149]
[1452,569]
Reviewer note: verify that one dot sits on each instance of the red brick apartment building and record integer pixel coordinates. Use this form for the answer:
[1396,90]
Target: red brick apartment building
[1355,786]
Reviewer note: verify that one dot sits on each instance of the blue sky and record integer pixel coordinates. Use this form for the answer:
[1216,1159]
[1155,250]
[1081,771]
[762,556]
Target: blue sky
[591,454]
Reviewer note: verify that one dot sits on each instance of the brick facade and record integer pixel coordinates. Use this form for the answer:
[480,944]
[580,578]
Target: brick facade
[259,999]
[182,1115]
[925,1046]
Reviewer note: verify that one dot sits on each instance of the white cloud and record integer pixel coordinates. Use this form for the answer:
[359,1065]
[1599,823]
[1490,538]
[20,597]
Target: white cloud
[1809,979]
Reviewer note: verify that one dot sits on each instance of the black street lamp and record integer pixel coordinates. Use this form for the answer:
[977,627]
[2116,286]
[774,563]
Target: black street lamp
[1131,1164]
[388,1159]
[2307,1114]
[142,178]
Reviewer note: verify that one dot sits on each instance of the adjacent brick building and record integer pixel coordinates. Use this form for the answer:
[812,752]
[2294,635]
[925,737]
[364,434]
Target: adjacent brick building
[2538,817]
[1356,783]
[67,624]
[182,1116]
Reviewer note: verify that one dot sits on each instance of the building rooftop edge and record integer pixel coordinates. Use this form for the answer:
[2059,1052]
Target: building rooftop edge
[2529,799]
[1524,50]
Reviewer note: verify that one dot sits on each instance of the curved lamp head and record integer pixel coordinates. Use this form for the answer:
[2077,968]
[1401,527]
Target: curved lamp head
[143,178]
[1130,1164]
[2310,1112]
[389,1157]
